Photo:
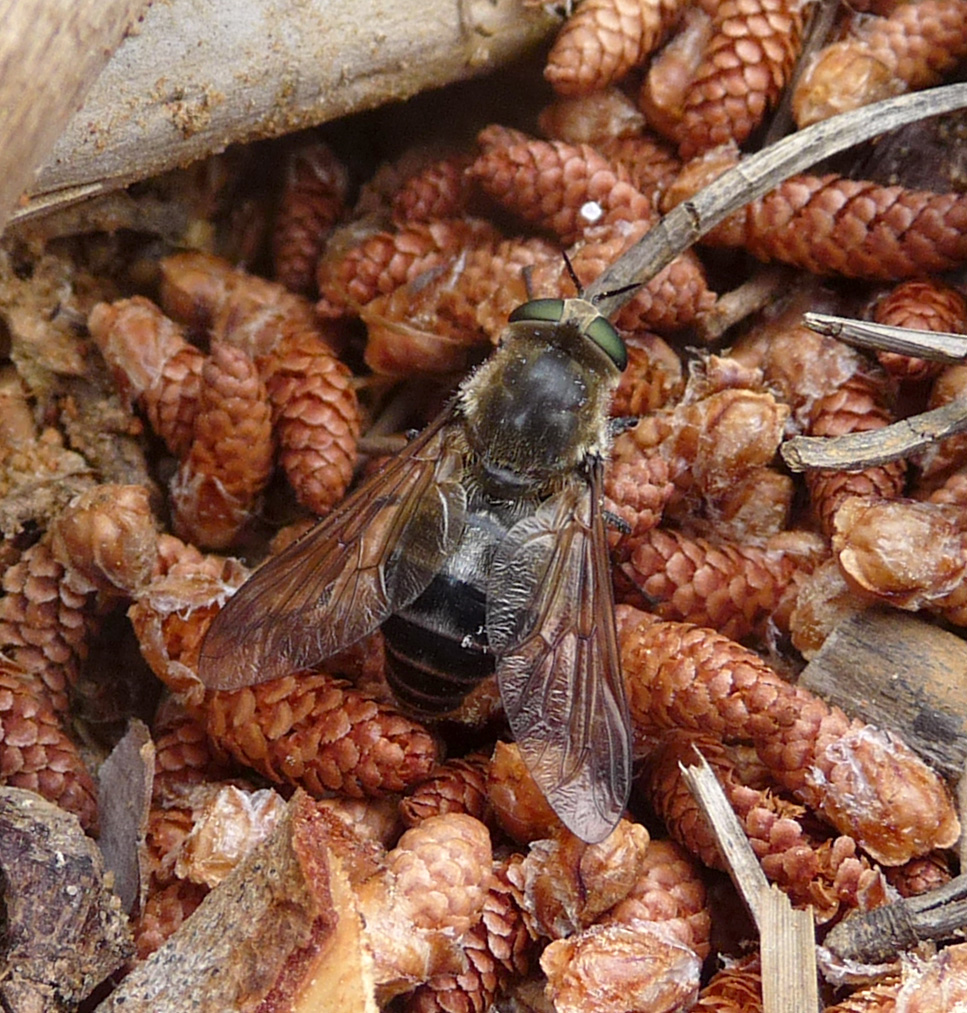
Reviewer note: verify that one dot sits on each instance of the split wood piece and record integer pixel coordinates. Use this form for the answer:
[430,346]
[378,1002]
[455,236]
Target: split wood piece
[63,930]
[878,936]
[939,346]
[787,954]
[51,53]
[903,674]
[280,933]
[200,76]
[786,936]
[125,781]
[856,451]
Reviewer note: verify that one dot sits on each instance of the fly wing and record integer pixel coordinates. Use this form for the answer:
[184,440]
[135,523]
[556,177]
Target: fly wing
[550,621]
[373,555]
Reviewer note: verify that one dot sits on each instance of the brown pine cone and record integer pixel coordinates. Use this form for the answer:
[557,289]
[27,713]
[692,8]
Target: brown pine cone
[439,190]
[912,47]
[153,364]
[735,589]
[106,539]
[381,262]
[418,910]
[315,413]
[826,874]
[313,200]
[857,406]
[316,418]
[498,948]
[684,676]
[317,732]
[96,553]
[229,460]
[670,890]
[458,785]
[617,967]
[925,305]
[833,225]
[911,555]
[597,118]
[568,884]
[183,755]
[637,491]
[747,63]
[165,909]
[604,39]
[44,625]
[559,187]
[36,754]
[736,988]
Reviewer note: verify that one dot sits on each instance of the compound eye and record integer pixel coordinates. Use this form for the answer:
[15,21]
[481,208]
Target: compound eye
[601,331]
[547,310]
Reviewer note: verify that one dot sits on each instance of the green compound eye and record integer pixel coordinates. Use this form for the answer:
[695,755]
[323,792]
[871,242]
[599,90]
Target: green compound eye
[548,310]
[601,331]
[598,328]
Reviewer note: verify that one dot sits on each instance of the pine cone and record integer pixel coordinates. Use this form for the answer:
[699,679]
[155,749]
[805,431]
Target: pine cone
[604,39]
[153,364]
[229,460]
[459,785]
[925,305]
[317,732]
[36,754]
[746,65]
[684,676]
[313,200]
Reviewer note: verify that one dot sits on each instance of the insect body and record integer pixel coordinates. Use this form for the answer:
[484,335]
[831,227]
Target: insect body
[480,547]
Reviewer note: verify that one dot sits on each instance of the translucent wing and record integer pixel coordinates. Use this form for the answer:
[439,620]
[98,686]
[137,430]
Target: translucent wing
[550,621]
[369,558]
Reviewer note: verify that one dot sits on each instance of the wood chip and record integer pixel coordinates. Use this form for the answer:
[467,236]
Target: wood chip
[232,951]
[64,930]
[903,674]
[124,790]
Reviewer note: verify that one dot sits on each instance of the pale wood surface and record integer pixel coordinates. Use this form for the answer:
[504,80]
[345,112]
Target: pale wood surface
[202,74]
[51,53]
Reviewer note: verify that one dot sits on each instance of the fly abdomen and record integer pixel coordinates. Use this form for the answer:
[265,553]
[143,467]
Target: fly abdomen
[437,647]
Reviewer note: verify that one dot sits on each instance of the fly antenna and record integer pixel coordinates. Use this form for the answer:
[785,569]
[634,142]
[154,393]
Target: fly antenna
[572,273]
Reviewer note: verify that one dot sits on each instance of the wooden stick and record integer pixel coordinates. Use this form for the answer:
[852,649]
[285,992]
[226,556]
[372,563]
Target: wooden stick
[755,176]
[855,451]
[51,53]
[902,673]
[878,936]
[733,844]
[940,346]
